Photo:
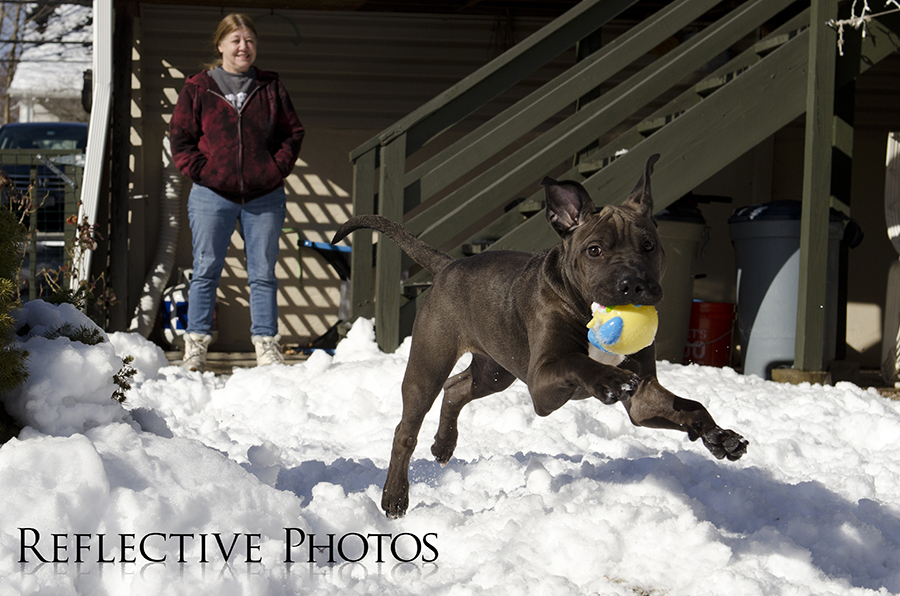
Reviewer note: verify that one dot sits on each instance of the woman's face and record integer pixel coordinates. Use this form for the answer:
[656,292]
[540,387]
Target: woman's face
[238,50]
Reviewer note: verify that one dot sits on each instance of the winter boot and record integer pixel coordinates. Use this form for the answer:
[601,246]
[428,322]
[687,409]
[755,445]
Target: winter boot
[195,347]
[268,350]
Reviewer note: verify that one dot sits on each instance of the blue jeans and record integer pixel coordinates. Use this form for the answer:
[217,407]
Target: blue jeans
[212,220]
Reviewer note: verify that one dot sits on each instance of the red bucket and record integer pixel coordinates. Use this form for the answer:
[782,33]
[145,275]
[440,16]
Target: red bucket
[709,334]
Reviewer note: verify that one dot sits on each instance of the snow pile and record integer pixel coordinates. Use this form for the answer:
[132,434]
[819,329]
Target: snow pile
[70,384]
[255,482]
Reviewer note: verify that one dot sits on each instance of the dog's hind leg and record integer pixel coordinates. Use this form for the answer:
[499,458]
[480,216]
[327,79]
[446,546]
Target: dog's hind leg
[429,365]
[482,378]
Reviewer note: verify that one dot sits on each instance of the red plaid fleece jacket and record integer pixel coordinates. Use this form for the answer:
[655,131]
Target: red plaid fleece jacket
[241,155]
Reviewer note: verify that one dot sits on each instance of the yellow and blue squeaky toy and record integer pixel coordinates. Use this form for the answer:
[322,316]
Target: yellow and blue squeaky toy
[624,329]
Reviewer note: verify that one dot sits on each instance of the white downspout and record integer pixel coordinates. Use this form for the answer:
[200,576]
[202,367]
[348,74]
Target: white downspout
[98,131]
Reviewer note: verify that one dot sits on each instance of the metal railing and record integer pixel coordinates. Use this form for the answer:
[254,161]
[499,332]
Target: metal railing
[44,185]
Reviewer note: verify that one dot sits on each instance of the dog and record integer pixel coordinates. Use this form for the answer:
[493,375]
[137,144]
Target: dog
[524,316]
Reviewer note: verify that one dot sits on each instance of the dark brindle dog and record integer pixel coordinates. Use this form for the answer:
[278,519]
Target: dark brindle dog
[523,316]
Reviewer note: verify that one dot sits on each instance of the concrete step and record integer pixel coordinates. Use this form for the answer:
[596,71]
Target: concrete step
[225,362]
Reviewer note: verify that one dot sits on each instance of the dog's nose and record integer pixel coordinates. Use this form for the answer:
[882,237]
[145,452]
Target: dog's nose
[632,288]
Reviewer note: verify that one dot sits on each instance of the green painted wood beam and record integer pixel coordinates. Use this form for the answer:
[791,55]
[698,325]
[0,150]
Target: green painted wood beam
[361,279]
[810,338]
[388,255]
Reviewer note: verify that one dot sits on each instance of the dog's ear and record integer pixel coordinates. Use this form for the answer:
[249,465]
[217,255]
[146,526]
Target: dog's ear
[568,205]
[640,198]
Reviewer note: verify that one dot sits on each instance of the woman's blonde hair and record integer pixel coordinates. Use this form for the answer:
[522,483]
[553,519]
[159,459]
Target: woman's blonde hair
[227,26]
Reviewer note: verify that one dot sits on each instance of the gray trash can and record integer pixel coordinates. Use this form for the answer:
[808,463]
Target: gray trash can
[682,230]
[766,241]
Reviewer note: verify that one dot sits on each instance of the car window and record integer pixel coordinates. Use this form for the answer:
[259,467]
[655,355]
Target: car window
[44,138]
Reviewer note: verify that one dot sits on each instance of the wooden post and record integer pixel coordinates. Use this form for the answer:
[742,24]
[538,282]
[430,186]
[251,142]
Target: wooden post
[361,258]
[123,39]
[810,340]
[388,255]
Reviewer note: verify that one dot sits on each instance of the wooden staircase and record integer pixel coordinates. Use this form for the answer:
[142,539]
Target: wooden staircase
[790,70]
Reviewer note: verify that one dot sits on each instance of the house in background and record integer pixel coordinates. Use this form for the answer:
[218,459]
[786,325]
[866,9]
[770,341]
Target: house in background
[49,79]
[358,73]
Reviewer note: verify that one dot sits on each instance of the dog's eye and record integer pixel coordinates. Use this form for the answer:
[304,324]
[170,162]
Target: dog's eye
[648,246]
[595,251]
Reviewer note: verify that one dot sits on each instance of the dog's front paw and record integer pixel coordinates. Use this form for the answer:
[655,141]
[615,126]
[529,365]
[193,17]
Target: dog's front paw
[724,443]
[623,391]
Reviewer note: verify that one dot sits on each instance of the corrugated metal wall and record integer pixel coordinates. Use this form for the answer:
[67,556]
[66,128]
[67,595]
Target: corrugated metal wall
[350,75]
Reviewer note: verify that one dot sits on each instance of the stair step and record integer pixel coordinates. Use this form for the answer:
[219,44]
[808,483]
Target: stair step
[524,207]
[595,164]
[761,49]
[648,127]
[529,207]
[767,46]
[414,290]
[706,87]
[476,247]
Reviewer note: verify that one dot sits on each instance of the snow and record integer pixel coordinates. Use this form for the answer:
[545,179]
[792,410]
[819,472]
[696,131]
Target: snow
[207,484]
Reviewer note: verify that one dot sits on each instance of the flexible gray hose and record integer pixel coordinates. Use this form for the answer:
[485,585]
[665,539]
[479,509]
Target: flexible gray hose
[158,277]
[890,350]
[892,189]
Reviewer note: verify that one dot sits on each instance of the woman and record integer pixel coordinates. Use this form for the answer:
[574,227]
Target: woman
[234,132]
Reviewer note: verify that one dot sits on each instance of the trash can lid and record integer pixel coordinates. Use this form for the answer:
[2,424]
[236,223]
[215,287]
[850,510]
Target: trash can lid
[681,211]
[773,211]
[777,211]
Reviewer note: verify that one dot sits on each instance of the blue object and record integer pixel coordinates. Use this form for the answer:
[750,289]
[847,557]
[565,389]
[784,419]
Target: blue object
[174,311]
[606,334]
[326,246]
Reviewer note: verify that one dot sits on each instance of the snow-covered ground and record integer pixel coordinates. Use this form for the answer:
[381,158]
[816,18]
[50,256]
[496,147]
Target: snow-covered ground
[204,484]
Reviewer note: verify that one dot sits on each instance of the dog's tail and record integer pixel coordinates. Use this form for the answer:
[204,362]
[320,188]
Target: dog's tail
[425,255]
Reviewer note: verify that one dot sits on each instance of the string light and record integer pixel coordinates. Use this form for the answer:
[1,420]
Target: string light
[860,21]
